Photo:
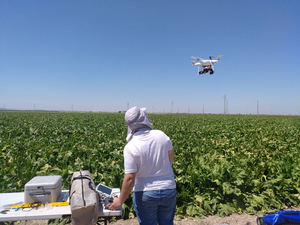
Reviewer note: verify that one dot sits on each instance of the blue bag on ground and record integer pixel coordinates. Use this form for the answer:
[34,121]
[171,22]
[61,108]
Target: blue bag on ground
[280,217]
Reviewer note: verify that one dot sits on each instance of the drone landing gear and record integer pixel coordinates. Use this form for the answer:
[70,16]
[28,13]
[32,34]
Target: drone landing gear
[211,72]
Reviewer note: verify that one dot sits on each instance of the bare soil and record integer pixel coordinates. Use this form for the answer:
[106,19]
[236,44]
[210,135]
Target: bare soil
[234,219]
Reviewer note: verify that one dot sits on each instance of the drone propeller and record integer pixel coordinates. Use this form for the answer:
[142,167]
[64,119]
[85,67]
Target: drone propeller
[196,58]
[219,57]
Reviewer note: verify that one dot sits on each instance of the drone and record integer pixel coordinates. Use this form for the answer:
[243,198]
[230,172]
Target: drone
[206,64]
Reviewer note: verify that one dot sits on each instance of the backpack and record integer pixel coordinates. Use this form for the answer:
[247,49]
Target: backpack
[84,199]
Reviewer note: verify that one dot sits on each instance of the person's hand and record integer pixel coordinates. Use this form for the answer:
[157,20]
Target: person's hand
[116,204]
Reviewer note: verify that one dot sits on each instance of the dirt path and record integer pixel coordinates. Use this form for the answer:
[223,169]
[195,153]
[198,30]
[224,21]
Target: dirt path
[234,219]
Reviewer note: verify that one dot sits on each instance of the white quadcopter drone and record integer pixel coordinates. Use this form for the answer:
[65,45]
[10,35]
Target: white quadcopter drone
[206,64]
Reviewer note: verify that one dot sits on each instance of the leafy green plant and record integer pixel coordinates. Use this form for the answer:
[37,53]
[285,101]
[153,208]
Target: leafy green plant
[223,164]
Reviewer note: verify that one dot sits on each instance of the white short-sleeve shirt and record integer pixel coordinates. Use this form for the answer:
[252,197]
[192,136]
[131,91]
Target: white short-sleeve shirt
[146,154]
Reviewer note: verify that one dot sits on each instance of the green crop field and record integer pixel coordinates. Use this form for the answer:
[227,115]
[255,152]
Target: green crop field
[223,164]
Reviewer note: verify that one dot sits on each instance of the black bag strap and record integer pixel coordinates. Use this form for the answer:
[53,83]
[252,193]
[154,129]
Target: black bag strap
[81,177]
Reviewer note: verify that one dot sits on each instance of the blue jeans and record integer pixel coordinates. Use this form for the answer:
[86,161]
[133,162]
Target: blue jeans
[152,207]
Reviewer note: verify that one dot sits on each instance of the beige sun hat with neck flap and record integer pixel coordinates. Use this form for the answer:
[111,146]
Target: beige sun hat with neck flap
[136,119]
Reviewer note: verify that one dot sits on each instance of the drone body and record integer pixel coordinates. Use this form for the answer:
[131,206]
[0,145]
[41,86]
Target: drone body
[207,65]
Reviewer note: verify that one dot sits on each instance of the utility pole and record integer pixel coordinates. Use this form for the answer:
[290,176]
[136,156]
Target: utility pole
[172,105]
[224,104]
[257,107]
[203,109]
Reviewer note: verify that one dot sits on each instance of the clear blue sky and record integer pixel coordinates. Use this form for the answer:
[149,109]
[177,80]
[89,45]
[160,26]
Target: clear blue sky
[102,55]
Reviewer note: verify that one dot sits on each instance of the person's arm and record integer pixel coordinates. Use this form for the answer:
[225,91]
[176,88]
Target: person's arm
[127,186]
[171,156]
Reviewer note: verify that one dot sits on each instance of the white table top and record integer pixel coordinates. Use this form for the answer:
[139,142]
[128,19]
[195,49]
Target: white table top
[40,213]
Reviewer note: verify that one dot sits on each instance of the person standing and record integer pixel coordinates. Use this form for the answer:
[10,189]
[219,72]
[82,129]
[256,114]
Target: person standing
[148,158]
